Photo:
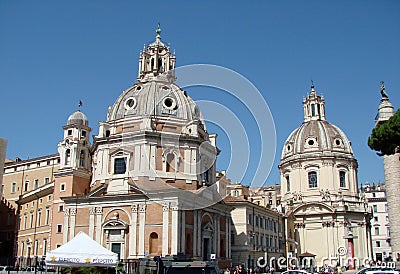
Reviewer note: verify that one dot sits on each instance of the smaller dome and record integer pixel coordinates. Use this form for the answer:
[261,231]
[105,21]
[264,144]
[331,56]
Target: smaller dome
[78,118]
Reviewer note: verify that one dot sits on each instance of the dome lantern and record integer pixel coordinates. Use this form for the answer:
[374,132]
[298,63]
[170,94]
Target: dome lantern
[314,106]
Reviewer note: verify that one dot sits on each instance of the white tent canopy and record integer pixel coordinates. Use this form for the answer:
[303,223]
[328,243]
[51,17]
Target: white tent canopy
[82,251]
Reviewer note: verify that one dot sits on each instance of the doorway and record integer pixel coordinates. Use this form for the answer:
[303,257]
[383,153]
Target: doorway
[116,248]
[206,249]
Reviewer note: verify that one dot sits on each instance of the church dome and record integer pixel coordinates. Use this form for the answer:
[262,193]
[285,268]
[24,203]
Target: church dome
[78,118]
[155,98]
[315,135]
[154,93]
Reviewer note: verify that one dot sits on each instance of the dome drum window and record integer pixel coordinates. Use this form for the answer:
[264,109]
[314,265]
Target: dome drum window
[338,142]
[312,179]
[169,103]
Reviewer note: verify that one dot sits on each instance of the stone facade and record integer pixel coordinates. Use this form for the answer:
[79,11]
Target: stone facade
[256,230]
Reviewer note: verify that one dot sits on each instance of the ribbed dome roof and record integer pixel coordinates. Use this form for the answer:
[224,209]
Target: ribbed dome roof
[78,118]
[316,136]
[159,98]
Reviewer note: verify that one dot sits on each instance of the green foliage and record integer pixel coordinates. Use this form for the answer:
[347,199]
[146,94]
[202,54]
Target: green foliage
[386,137]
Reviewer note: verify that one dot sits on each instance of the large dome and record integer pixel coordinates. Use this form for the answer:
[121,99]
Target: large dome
[155,98]
[316,136]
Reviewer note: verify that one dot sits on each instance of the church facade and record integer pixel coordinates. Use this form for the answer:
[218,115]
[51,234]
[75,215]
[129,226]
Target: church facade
[325,215]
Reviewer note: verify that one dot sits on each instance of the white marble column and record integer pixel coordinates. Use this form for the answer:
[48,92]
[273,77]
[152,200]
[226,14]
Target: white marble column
[72,213]
[92,212]
[183,231]
[142,223]
[199,233]
[99,213]
[194,233]
[66,222]
[215,236]
[174,229]
[165,230]
[132,232]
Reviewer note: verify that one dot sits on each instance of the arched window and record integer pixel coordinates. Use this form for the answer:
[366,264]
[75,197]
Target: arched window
[170,162]
[67,156]
[342,178]
[287,183]
[153,243]
[312,179]
[82,159]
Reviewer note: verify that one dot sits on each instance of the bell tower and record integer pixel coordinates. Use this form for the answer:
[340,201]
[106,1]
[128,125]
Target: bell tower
[73,177]
[155,59]
[74,148]
[314,106]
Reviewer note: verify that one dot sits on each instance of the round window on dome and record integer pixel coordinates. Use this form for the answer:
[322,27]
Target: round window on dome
[338,142]
[130,103]
[169,103]
[288,147]
[310,142]
[138,88]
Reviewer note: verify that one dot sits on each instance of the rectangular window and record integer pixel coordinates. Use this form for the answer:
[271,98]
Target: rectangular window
[46,180]
[44,247]
[60,208]
[257,221]
[59,228]
[69,131]
[48,163]
[38,217]
[342,178]
[312,179]
[26,186]
[83,133]
[250,221]
[378,244]
[25,221]
[119,165]
[287,183]
[62,187]
[40,201]
[13,187]
[38,165]
[375,208]
[47,215]
[376,218]
[31,220]
[376,230]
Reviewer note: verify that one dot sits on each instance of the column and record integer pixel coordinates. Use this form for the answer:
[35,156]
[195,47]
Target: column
[99,212]
[183,231]
[218,236]
[65,230]
[142,222]
[92,212]
[72,213]
[199,233]
[174,229]
[215,237]
[165,229]
[194,233]
[227,236]
[132,232]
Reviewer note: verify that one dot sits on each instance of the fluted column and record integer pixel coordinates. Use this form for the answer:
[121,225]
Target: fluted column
[132,232]
[174,229]
[165,230]
[66,222]
[391,165]
[199,233]
[142,223]
[99,213]
[92,212]
[72,213]
[194,233]
[183,231]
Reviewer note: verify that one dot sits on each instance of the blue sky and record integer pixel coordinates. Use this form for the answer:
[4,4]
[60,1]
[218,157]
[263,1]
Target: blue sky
[55,53]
